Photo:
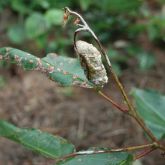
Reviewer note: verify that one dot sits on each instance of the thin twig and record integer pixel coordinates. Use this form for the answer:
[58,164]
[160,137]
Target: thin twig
[113,102]
[84,27]
[144,153]
[143,126]
[126,149]
[132,112]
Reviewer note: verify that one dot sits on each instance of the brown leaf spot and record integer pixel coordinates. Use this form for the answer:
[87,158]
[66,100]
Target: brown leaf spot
[17,58]
[65,73]
[75,77]
[8,49]
[39,62]
[51,69]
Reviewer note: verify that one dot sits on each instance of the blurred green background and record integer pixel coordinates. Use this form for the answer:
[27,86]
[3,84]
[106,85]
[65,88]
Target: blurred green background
[36,26]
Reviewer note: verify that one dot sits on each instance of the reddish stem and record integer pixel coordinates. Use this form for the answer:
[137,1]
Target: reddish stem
[113,102]
[144,153]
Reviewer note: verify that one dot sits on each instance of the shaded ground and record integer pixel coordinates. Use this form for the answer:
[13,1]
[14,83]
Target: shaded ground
[80,115]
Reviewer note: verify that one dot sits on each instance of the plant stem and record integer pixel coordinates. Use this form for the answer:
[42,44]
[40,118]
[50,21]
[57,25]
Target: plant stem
[144,153]
[143,126]
[85,27]
[131,110]
[125,149]
[113,102]
[121,88]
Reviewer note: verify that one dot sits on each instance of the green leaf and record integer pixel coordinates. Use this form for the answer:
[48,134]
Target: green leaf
[16,33]
[54,16]
[99,159]
[41,142]
[63,70]
[70,67]
[151,107]
[36,25]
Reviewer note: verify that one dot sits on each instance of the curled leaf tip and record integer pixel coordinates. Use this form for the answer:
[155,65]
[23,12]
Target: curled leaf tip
[91,62]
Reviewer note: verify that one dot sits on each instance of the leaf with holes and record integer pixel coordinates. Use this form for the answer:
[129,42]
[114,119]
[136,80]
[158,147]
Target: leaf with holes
[151,107]
[63,70]
[41,142]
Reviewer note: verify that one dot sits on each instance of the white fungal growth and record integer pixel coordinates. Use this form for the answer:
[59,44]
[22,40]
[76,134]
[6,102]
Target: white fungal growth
[90,59]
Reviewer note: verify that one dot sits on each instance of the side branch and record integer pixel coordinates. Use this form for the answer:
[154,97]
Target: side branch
[152,146]
[131,111]
[113,102]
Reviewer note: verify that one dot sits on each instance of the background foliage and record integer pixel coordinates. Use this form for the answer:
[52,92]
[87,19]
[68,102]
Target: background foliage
[39,22]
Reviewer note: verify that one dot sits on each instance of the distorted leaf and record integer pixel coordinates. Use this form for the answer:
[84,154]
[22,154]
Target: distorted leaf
[70,71]
[63,70]
[91,62]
